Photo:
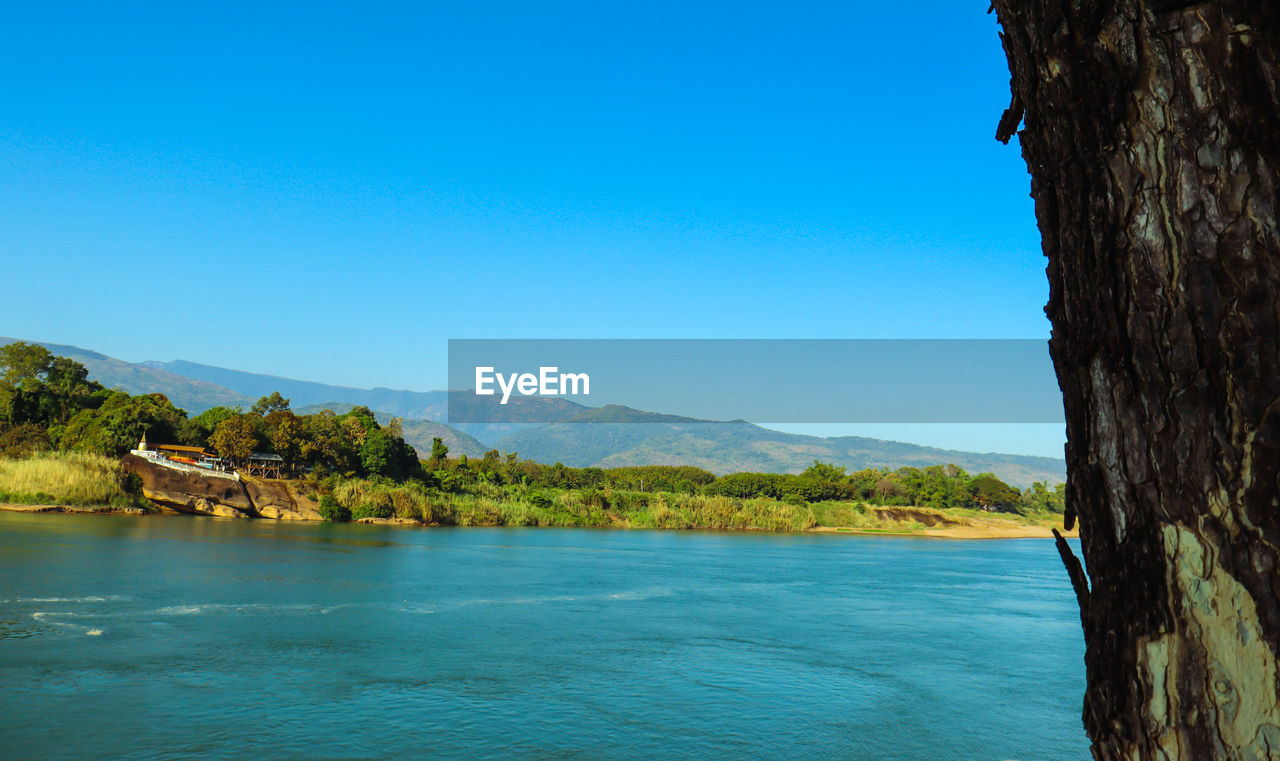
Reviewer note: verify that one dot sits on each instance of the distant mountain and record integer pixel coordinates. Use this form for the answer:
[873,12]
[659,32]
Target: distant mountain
[425,405]
[411,405]
[194,396]
[632,437]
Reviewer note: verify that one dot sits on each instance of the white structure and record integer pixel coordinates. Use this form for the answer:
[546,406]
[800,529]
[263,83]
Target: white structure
[158,458]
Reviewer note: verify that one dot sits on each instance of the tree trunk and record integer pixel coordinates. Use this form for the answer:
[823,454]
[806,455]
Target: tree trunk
[1152,133]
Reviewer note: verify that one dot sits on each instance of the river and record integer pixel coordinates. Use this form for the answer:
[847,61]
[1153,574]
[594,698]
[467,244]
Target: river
[179,637]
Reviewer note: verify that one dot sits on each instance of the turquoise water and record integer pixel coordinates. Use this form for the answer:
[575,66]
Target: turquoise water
[175,637]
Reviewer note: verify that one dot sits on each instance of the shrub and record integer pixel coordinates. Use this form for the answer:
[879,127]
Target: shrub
[595,498]
[630,501]
[540,500]
[330,510]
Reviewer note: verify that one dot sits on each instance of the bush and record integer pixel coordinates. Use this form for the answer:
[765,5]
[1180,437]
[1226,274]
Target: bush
[540,500]
[330,510]
[630,501]
[376,509]
[748,485]
[595,498]
[23,440]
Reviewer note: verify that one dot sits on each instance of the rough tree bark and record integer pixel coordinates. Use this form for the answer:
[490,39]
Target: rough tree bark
[1152,133]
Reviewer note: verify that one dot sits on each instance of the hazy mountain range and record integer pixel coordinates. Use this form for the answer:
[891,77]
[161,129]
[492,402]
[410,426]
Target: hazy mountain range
[607,436]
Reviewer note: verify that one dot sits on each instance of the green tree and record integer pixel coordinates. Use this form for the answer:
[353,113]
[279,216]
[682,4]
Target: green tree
[821,471]
[119,423]
[23,364]
[269,404]
[195,431]
[38,387]
[382,454]
[990,493]
[326,445]
[69,390]
[286,433]
[234,438]
[439,452]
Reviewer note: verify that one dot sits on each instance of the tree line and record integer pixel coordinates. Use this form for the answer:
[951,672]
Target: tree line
[937,486]
[48,403]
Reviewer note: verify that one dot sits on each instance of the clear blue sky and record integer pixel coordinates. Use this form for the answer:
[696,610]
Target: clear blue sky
[331,191]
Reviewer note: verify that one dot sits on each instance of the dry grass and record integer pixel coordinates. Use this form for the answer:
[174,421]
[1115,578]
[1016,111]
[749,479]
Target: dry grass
[63,478]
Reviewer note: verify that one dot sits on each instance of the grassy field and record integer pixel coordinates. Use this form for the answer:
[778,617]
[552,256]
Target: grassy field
[487,505]
[517,506]
[83,480]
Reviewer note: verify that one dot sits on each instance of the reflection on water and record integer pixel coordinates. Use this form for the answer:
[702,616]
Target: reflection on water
[179,637]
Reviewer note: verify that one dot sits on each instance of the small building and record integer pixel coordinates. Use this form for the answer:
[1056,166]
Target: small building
[265,465]
[180,453]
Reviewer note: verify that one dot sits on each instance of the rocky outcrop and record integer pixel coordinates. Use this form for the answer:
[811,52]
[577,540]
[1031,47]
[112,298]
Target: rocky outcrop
[189,492]
[280,500]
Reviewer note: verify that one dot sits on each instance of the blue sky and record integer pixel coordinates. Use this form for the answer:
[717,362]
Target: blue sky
[330,191]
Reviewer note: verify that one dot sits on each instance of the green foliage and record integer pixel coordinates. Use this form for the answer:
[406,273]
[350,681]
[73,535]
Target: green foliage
[540,499]
[820,471]
[385,455]
[23,440]
[673,478]
[798,489]
[269,404]
[990,493]
[195,431]
[286,433]
[40,389]
[234,438]
[120,422]
[23,365]
[1039,498]
[332,511]
[372,510]
[439,452]
[937,486]
[748,485]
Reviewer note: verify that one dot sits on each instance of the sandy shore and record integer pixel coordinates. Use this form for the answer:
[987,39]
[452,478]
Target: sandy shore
[1019,531]
[942,525]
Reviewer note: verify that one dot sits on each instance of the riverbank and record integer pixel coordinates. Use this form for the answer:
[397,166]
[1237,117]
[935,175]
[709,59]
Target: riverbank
[88,484]
[884,521]
[10,507]
[67,483]
[953,524]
